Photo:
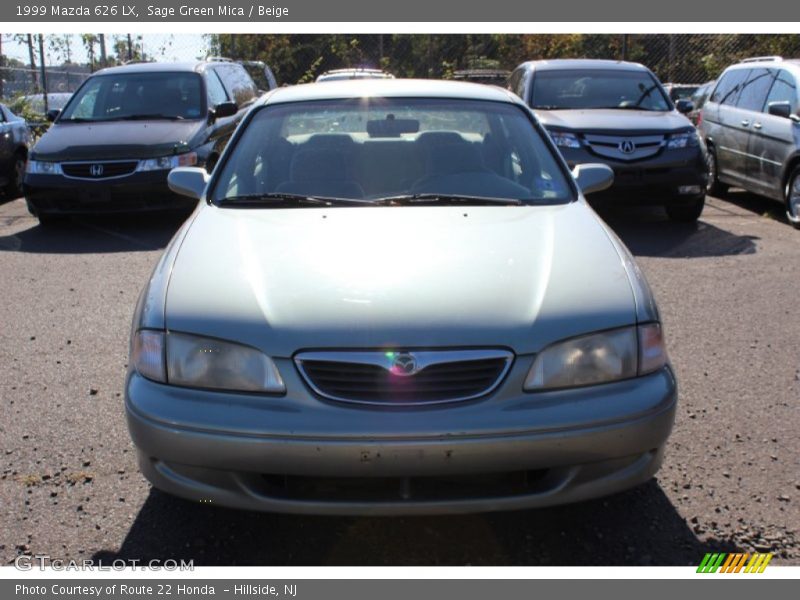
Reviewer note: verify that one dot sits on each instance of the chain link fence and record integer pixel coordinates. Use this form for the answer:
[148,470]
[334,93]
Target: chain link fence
[33,63]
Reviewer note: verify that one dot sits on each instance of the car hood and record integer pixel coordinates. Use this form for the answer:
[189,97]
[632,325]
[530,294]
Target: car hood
[607,120]
[114,140]
[283,280]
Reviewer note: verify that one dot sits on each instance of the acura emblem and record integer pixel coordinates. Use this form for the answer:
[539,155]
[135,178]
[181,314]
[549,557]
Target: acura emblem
[627,146]
[96,170]
[404,364]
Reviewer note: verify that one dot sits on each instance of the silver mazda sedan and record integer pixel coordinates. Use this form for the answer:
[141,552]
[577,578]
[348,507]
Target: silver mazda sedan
[393,298]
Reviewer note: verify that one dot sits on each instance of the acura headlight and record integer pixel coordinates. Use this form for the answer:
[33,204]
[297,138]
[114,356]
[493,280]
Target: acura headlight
[686,139]
[168,162]
[195,361]
[564,139]
[39,167]
[598,358]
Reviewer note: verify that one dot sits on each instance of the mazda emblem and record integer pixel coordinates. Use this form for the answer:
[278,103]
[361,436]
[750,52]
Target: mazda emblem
[404,364]
[96,170]
[627,147]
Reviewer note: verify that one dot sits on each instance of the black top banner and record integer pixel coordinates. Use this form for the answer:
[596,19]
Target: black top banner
[465,11]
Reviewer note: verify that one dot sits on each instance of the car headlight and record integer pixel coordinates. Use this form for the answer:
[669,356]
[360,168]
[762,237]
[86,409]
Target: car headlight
[39,167]
[598,358]
[195,361]
[687,139]
[168,162]
[564,139]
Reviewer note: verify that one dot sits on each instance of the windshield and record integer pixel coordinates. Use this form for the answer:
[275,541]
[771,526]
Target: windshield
[392,149]
[596,88]
[165,95]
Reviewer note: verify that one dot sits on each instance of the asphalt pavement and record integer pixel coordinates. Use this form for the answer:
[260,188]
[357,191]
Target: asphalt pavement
[70,488]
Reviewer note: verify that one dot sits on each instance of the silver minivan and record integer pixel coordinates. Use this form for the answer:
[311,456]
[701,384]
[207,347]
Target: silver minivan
[751,127]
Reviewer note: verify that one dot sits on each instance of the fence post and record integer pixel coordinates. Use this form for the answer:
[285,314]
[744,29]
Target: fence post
[624,46]
[43,71]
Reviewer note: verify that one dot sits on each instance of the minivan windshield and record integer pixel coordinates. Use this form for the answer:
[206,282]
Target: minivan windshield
[391,151]
[597,88]
[130,96]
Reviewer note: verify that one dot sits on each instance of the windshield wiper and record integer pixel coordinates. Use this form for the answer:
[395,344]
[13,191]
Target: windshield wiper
[148,117]
[406,199]
[278,199]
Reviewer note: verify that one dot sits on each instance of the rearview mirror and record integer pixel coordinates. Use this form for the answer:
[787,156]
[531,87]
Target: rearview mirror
[780,109]
[52,114]
[188,181]
[593,177]
[224,109]
[684,106]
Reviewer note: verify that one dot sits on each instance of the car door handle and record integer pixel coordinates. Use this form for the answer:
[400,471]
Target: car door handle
[756,125]
[745,122]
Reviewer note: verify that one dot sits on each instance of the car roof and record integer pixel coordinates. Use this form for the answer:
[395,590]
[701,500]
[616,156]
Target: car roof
[154,67]
[792,63]
[389,88]
[582,63]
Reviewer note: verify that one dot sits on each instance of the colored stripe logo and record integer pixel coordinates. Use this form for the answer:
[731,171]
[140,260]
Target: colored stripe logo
[734,563]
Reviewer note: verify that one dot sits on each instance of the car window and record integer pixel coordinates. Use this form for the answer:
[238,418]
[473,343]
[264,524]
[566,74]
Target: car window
[515,82]
[216,92]
[237,82]
[597,88]
[754,91]
[383,147]
[138,95]
[729,86]
[784,89]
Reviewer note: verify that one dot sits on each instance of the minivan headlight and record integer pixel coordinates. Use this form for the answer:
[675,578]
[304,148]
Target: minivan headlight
[40,167]
[168,162]
[196,361]
[564,139]
[687,139]
[598,358]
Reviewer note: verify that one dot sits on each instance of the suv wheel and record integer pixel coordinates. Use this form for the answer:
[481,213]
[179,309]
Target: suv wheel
[793,198]
[687,212]
[714,187]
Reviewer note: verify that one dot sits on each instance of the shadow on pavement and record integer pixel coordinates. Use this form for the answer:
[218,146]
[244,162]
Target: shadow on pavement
[637,527]
[648,232]
[92,235]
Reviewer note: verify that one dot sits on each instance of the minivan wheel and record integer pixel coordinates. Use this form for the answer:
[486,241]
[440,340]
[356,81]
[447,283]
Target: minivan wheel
[793,198]
[686,212]
[714,187]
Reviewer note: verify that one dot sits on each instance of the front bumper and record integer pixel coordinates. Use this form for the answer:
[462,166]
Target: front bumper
[300,454]
[654,180]
[57,194]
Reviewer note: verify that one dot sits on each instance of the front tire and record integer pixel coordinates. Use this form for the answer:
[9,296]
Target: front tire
[13,188]
[792,195]
[686,212]
[714,187]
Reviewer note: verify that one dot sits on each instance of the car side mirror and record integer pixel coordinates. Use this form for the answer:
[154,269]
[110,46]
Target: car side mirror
[52,114]
[780,109]
[188,181]
[684,106]
[224,109]
[593,177]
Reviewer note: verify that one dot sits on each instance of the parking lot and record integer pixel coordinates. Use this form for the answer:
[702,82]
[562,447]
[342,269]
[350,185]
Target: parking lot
[70,487]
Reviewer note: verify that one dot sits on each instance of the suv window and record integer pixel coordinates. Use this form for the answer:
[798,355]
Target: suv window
[515,82]
[729,86]
[237,82]
[216,92]
[754,91]
[597,88]
[783,90]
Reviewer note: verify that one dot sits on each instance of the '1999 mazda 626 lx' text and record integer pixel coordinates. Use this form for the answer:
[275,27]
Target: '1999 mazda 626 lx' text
[393,298]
